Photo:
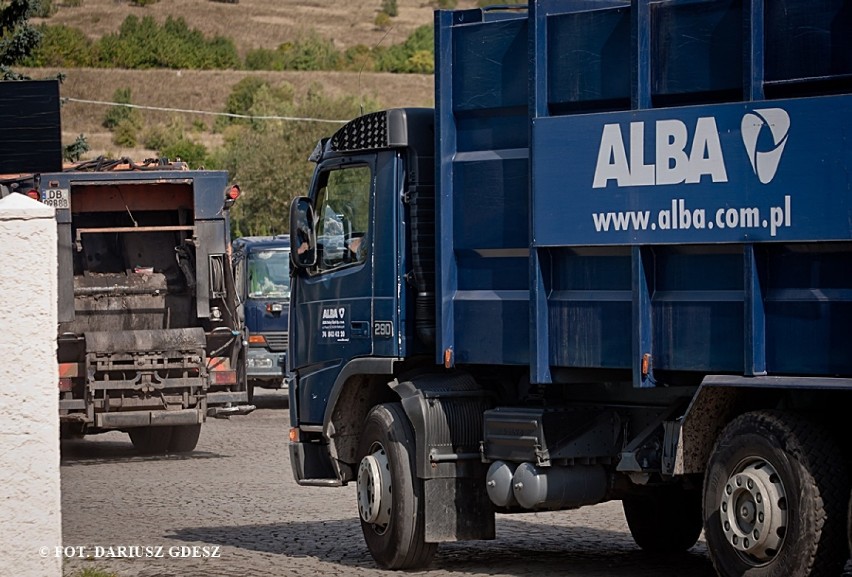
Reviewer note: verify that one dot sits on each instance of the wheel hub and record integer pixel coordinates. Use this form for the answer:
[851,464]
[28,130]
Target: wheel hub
[753,511]
[374,488]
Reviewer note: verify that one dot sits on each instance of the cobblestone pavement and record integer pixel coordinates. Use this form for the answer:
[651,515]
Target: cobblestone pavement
[235,496]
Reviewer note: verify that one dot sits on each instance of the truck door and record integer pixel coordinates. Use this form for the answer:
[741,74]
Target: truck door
[333,300]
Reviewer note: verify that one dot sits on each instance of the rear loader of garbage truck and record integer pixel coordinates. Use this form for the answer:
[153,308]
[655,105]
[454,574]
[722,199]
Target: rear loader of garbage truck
[614,264]
[148,339]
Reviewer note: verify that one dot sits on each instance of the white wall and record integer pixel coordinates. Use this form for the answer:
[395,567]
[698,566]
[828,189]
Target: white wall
[29,407]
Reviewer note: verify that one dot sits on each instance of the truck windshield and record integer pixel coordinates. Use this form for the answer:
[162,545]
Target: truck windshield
[269,273]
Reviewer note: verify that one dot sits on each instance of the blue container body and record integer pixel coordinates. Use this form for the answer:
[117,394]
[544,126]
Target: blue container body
[660,187]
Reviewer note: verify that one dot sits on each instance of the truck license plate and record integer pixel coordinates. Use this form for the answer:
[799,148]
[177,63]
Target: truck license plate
[56,197]
[260,363]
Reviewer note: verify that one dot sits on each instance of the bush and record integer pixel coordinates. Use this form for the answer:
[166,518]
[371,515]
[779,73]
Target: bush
[185,149]
[422,62]
[310,53]
[171,141]
[43,9]
[262,59]
[401,57]
[241,98]
[143,3]
[144,44]
[389,7]
[358,58]
[415,55]
[116,114]
[61,46]
[74,151]
[157,137]
[253,96]
[125,133]
[382,20]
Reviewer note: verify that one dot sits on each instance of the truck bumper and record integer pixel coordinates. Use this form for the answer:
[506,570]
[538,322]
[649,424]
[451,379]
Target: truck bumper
[264,365]
[226,397]
[131,419]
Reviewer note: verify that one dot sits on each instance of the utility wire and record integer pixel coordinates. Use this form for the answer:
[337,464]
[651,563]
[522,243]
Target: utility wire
[207,112]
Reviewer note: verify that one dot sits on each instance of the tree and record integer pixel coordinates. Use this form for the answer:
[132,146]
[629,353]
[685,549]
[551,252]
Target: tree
[61,46]
[76,149]
[268,158]
[17,37]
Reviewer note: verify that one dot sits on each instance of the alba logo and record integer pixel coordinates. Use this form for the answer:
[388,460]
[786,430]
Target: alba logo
[765,163]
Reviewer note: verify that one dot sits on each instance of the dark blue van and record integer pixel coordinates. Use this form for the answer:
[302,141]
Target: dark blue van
[262,274]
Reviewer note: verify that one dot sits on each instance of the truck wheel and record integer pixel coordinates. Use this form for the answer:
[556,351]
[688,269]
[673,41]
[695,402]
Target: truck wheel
[775,495]
[151,440]
[665,519]
[390,496]
[849,526]
[250,391]
[184,438]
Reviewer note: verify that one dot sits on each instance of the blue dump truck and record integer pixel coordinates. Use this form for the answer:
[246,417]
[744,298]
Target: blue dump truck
[614,263]
[262,273]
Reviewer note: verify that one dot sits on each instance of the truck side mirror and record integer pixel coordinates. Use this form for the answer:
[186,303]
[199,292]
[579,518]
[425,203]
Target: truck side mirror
[303,240]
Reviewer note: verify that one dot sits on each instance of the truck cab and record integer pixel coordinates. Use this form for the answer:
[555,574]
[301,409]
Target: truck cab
[262,273]
[348,305]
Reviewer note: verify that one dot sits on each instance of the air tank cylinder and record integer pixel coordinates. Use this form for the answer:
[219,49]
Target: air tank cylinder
[498,483]
[558,487]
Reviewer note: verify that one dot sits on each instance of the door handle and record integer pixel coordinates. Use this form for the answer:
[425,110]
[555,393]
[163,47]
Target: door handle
[359,329]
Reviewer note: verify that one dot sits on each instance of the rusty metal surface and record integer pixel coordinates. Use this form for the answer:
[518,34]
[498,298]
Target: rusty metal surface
[185,339]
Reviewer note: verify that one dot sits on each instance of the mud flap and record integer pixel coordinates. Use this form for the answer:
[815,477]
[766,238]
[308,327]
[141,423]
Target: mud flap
[457,510]
[446,412]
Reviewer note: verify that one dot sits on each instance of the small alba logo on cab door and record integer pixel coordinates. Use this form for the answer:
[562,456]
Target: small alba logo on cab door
[765,163]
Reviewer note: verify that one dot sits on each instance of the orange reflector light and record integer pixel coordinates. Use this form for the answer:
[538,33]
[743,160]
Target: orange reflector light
[33,194]
[223,377]
[646,364]
[65,385]
[71,370]
[234,192]
[294,435]
[257,340]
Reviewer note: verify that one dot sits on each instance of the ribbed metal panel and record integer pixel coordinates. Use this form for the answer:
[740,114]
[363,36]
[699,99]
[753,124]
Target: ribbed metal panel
[277,341]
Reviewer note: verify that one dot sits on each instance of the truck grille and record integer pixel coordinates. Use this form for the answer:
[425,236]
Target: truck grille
[277,341]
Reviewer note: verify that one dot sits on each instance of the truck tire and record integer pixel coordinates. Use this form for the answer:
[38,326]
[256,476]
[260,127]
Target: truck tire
[184,438]
[390,496]
[665,519]
[775,499]
[151,440]
[849,526]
